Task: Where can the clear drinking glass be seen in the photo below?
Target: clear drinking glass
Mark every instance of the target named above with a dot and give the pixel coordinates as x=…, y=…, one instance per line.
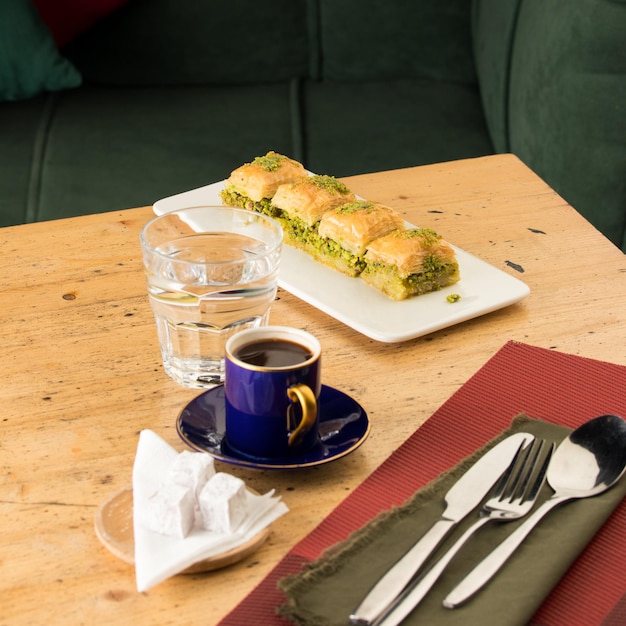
x=212, y=271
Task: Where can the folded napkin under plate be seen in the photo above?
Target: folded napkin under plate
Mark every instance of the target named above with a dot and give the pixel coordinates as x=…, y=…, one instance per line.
x=556, y=387
x=157, y=556
x=329, y=590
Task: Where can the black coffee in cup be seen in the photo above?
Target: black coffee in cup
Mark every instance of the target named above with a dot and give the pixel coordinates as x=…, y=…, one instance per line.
x=273, y=353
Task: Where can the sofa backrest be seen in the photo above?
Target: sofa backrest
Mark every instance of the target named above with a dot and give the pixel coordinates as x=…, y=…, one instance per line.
x=552, y=76
x=493, y=34
x=372, y=40
x=196, y=42
x=164, y=42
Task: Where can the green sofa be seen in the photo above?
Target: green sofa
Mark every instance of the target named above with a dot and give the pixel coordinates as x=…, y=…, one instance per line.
x=162, y=96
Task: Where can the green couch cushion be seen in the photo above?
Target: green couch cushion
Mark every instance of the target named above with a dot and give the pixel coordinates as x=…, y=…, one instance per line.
x=354, y=128
x=493, y=34
x=164, y=42
x=372, y=40
x=567, y=109
x=29, y=60
x=20, y=124
x=148, y=143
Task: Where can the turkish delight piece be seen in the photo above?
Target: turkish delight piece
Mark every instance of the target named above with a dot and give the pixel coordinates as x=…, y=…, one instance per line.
x=192, y=469
x=223, y=503
x=171, y=510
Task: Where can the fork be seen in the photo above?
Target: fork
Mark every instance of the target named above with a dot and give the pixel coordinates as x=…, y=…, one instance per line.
x=513, y=497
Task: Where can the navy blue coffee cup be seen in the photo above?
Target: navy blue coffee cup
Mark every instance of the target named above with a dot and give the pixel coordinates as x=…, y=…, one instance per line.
x=272, y=383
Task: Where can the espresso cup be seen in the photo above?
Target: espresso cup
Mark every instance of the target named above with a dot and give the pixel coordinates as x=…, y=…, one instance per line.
x=272, y=383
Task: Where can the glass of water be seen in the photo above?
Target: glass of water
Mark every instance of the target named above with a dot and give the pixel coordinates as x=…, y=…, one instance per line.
x=212, y=271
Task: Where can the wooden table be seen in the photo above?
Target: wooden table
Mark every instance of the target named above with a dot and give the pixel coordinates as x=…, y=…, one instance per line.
x=82, y=377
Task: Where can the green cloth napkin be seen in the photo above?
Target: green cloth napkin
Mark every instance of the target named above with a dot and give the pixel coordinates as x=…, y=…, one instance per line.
x=331, y=587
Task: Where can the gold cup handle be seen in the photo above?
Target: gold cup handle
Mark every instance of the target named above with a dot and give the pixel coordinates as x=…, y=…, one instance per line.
x=306, y=398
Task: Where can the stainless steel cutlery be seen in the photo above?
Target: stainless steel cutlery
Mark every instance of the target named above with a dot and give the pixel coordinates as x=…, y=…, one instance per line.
x=464, y=496
x=589, y=461
x=514, y=496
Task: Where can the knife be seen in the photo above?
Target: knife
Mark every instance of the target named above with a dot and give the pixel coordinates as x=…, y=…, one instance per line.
x=462, y=498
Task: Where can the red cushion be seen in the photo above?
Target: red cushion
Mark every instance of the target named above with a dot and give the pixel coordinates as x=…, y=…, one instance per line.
x=67, y=19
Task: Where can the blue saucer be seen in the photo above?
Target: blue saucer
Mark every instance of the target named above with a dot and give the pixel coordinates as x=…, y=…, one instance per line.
x=343, y=428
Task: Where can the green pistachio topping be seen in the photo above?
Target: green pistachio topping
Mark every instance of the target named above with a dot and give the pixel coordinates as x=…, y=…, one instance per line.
x=427, y=234
x=329, y=183
x=453, y=297
x=270, y=162
x=354, y=207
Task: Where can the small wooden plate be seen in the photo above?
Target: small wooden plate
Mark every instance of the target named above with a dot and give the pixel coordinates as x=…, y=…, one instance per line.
x=114, y=528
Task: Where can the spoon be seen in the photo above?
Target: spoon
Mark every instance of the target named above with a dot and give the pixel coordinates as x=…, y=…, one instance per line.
x=589, y=461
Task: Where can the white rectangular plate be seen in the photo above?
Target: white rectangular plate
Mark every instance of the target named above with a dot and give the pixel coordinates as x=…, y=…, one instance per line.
x=483, y=288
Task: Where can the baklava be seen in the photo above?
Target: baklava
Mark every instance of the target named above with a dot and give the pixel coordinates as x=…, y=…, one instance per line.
x=302, y=204
x=321, y=216
x=410, y=262
x=253, y=185
x=347, y=230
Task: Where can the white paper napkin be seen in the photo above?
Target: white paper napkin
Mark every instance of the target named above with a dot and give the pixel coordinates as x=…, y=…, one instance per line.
x=157, y=557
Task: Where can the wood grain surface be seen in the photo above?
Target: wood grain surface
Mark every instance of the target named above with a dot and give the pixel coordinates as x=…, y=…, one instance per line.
x=82, y=376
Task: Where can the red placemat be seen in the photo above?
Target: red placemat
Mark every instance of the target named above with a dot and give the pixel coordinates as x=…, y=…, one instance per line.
x=543, y=384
